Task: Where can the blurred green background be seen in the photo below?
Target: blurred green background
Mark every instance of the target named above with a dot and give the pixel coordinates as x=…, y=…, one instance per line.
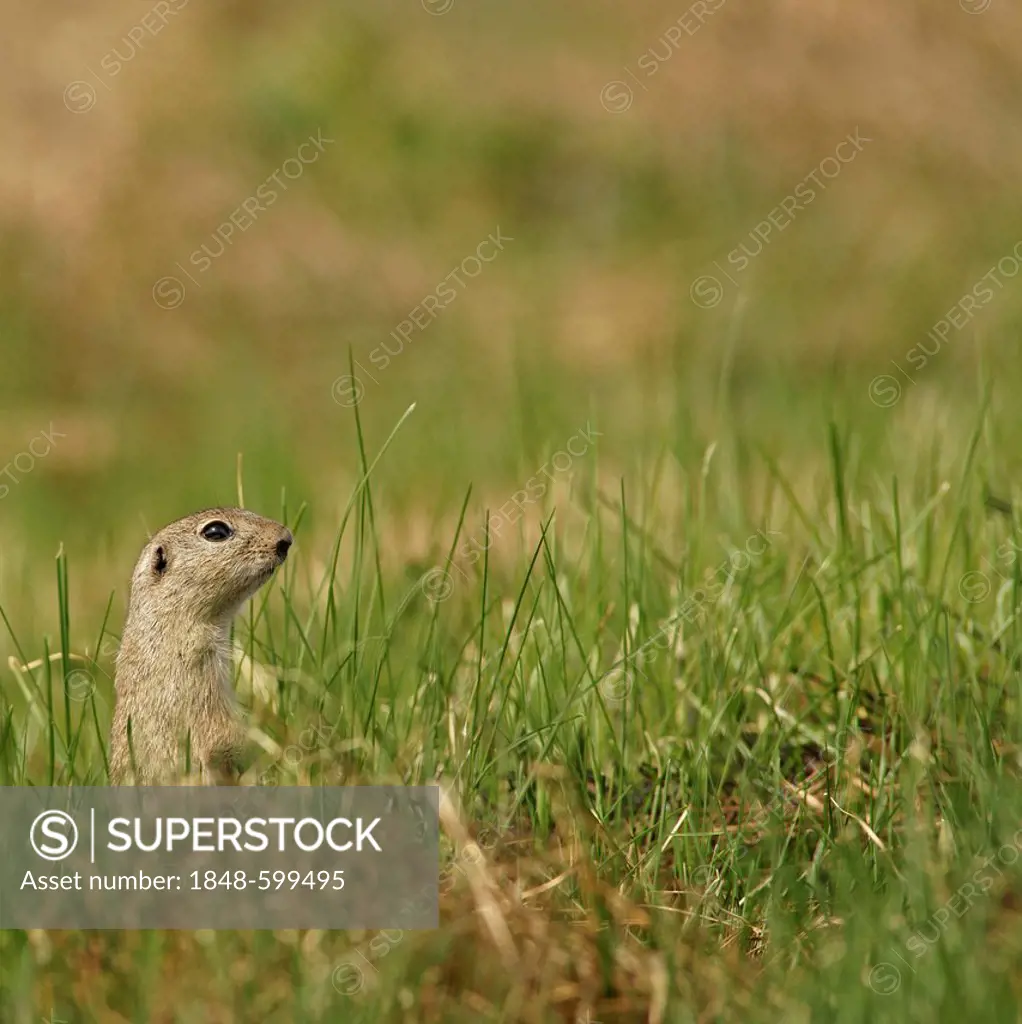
x=452, y=120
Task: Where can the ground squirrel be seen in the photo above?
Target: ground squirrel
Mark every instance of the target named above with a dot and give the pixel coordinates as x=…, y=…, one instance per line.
x=174, y=667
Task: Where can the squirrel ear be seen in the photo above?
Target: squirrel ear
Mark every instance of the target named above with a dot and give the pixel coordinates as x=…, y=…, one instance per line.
x=159, y=563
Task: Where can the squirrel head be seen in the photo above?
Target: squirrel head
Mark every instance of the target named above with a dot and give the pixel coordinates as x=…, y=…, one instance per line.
x=204, y=567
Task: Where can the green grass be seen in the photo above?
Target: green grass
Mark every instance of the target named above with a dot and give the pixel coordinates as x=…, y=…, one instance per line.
x=742, y=757
x=775, y=801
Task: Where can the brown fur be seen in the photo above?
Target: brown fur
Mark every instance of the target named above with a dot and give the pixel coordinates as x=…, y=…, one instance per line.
x=174, y=668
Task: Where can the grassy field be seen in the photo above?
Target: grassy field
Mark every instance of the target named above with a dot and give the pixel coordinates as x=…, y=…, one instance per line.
x=640, y=386
x=760, y=763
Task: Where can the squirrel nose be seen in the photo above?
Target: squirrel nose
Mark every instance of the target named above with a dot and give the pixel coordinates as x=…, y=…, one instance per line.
x=284, y=545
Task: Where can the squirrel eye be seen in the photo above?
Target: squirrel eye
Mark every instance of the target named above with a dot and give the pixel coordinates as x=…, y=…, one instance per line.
x=216, y=530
